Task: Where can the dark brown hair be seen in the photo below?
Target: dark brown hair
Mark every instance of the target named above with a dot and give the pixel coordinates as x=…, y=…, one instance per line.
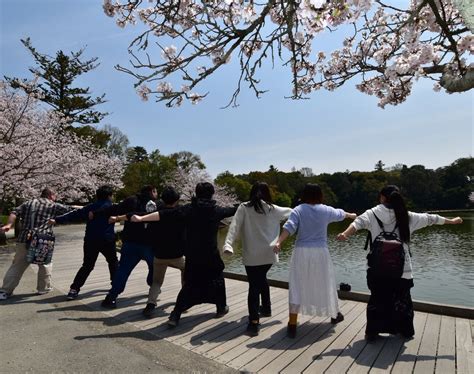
x=312, y=194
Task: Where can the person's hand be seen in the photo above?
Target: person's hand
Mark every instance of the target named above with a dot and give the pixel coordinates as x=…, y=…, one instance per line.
x=91, y=215
x=352, y=215
x=227, y=250
x=277, y=248
x=136, y=218
x=112, y=219
x=7, y=227
x=51, y=222
x=457, y=221
x=228, y=253
x=341, y=237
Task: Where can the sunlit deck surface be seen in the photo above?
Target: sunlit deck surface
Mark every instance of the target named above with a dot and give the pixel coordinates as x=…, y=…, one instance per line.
x=442, y=344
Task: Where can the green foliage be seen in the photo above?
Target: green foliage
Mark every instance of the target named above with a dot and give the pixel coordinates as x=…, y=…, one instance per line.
x=424, y=189
x=99, y=138
x=187, y=160
x=153, y=168
x=238, y=186
x=282, y=199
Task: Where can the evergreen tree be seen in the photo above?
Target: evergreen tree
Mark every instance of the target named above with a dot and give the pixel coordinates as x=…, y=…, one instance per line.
x=55, y=86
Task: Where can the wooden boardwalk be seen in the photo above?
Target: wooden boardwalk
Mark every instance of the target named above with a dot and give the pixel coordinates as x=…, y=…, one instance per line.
x=442, y=344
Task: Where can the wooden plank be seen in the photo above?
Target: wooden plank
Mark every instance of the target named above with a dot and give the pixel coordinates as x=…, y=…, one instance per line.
x=306, y=357
x=281, y=354
x=464, y=347
x=236, y=336
x=446, y=356
x=227, y=329
x=366, y=358
x=260, y=348
x=347, y=357
x=322, y=361
x=425, y=362
x=406, y=359
x=388, y=355
x=239, y=310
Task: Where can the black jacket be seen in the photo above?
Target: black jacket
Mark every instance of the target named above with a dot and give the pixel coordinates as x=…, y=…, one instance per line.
x=167, y=236
x=132, y=231
x=201, y=222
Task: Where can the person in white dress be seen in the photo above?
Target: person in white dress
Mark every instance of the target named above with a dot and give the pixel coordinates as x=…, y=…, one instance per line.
x=257, y=223
x=312, y=283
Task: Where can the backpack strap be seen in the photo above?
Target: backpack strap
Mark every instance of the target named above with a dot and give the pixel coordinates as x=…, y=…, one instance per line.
x=368, y=240
x=378, y=220
x=381, y=223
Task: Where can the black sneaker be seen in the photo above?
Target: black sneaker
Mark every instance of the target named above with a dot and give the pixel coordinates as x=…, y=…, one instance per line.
x=291, y=331
x=264, y=312
x=73, y=294
x=338, y=319
x=253, y=328
x=222, y=312
x=109, y=302
x=149, y=310
x=173, y=320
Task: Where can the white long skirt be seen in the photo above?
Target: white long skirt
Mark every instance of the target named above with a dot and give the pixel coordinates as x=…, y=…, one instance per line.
x=312, y=281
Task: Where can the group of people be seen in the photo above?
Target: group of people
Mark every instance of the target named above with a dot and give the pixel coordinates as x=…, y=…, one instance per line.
x=164, y=233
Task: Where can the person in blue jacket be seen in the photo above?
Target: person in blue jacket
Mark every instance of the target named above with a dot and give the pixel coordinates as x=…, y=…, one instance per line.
x=99, y=238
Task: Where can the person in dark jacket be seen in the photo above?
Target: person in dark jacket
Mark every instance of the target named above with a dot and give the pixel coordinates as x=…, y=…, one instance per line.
x=167, y=241
x=203, y=272
x=99, y=238
x=135, y=240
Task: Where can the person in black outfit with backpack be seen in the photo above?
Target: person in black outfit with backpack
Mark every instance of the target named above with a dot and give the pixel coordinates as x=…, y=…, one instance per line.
x=390, y=308
x=135, y=240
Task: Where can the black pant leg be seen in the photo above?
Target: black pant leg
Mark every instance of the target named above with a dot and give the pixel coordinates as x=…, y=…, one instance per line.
x=265, y=289
x=221, y=297
x=91, y=252
x=253, y=297
x=109, y=251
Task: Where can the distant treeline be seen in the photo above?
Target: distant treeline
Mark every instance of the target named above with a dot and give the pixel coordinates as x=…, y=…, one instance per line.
x=448, y=187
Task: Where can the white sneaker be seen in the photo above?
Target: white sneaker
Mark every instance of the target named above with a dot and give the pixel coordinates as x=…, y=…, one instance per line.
x=3, y=295
x=45, y=291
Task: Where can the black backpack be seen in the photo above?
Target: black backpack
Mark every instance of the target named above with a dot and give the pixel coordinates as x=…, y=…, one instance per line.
x=387, y=255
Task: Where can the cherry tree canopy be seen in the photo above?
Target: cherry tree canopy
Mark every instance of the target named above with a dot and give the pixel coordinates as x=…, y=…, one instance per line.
x=36, y=153
x=185, y=181
x=387, y=47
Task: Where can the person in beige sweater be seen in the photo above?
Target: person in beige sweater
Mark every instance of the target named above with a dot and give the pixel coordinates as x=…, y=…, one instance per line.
x=257, y=223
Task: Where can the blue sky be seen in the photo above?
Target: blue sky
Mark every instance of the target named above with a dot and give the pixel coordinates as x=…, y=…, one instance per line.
x=333, y=131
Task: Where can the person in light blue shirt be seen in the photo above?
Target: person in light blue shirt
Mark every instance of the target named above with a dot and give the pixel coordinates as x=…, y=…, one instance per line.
x=312, y=283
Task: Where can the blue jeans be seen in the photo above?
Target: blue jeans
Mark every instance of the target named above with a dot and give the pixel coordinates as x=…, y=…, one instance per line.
x=130, y=255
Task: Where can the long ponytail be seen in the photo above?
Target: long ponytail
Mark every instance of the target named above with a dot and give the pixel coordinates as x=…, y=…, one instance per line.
x=260, y=191
x=397, y=203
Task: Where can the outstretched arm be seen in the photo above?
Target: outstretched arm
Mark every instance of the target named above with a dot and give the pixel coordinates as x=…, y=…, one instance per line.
x=283, y=236
x=453, y=221
x=155, y=216
x=11, y=222
x=347, y=233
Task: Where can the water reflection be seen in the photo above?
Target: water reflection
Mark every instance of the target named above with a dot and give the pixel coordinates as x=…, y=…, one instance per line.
x=443, y=261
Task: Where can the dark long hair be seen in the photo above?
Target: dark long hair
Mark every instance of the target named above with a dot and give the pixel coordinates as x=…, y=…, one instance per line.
x=312, y=194
x=259, y=192
x=395, y=201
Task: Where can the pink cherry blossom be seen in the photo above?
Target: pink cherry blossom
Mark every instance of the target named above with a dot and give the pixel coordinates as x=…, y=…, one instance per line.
x=37, y=152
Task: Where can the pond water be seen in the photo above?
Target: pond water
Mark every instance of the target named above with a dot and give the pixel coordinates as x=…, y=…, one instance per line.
x=443, y=261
